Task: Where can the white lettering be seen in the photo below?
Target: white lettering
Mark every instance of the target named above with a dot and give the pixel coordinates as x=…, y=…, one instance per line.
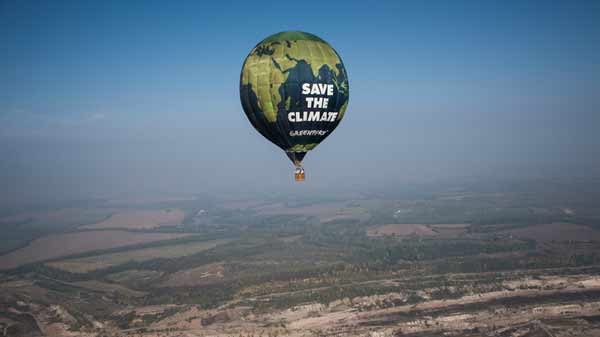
x=313, y=116
x=297, y=133
x=330, y=90
x=309, y=101
x=305, y=88
x=322, y=87
x=318, y=102
x=315, y=89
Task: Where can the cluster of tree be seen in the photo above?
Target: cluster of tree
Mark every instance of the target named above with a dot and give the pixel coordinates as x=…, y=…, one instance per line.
x=391, y=252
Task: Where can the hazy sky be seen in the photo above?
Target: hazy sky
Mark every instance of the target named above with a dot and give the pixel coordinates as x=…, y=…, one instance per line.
x=110, y=97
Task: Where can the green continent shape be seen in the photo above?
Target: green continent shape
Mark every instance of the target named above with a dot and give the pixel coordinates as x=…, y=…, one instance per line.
x=265, y=69
x=302, y=147
x=342, y=110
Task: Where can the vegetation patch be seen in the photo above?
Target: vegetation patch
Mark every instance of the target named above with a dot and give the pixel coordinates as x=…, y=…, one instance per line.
x=140, y=219
x=87, y=264
x=57, y=245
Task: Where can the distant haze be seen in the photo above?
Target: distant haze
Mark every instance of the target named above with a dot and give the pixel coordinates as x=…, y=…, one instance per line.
x=105, y=99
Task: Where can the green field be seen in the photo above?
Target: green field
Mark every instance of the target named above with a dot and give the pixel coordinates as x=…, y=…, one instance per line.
x=86, y=264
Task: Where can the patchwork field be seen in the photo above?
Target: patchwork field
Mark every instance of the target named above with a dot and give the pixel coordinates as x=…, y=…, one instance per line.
x=140, y=219
x=57, y=245
x=86, y=264
x=401, y=230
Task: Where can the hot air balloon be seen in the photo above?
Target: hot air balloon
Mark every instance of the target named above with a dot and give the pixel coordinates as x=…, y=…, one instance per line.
x=294, y=91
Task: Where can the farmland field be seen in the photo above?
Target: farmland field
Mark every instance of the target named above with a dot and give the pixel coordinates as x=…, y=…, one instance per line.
x=20, y=228
x=58, y=245
x=401, y=230
x=61, y=216
x=455, y=226
x=140, y=219
x=135, y=278
x=310, y=210
x=86, y=264
x=557, y=232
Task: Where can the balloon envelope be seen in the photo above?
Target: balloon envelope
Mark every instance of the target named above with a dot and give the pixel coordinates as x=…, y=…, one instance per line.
x=294, y=90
